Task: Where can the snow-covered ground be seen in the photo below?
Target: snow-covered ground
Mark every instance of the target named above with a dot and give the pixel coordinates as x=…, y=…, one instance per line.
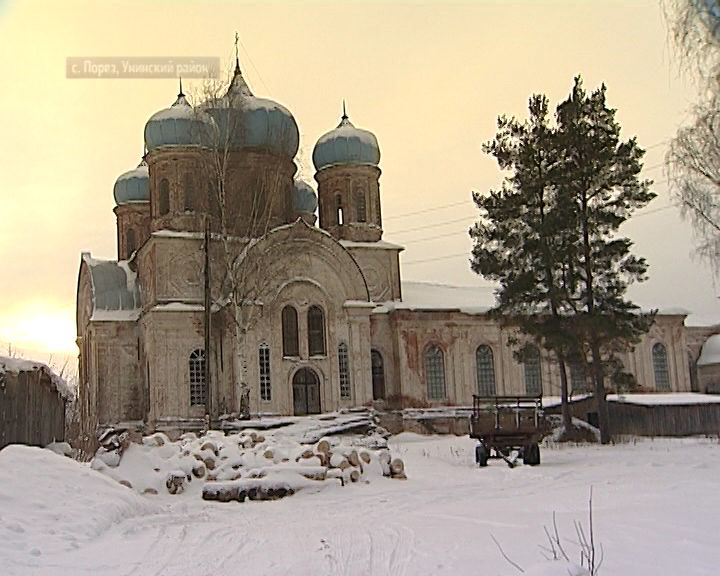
x=656, y=510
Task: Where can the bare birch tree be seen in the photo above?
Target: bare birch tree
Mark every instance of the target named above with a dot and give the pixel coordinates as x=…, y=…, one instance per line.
x=239, y=211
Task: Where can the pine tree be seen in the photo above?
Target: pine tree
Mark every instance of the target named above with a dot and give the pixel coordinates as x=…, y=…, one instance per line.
x=519, y=240
x=600, y=185
x=549, y=236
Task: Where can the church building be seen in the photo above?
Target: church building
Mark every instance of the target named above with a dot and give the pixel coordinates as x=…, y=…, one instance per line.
x=238, y=288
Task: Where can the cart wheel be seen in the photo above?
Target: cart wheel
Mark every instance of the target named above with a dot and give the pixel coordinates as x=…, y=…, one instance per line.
x=531, y=454
x=481, y=455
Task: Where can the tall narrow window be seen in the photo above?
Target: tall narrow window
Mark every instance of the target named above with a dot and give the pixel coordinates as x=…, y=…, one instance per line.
x=578, y=377
x=196, y=366
x=344, y=366
x=189, y=193
x=264, y=371
x=164, y=197
x=130, y=241
x=660, y=367
x=533, y=374
x=378, y=375
x=290, y=331
x=360, y=205
x=316, y=331
x=485, y=365
x=435, y=373
x=339, y=210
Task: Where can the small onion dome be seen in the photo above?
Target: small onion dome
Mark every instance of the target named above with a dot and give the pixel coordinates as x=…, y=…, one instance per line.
x=246, y=121
x=346, y=145
x=133, y=186
x=179, y=125
x=305, y=199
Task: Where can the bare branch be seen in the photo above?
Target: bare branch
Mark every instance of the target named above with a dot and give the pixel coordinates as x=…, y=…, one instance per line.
x=507, y=559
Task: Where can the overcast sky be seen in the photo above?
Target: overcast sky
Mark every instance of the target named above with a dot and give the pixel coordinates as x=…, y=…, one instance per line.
x=428, y=79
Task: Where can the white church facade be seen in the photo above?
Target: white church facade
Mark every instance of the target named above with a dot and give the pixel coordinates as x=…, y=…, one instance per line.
x=305, y=316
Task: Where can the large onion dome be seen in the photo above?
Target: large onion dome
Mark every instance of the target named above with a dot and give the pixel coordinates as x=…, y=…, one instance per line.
x=305, y=199
x=346, y=145
x=133, y=186
x=179, y=125
x=246, y=121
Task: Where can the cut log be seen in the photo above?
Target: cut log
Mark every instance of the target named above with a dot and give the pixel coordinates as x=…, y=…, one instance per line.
x=323, y=446
x=269, y=454
x=397, y=467
x=354, y=458
x=365, y=457
x=355, y=475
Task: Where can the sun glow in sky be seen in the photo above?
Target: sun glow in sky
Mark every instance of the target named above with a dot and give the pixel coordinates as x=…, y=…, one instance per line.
x=428, y=78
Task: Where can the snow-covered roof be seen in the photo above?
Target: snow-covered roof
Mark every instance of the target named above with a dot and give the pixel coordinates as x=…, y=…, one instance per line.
x=440, y=297
x=379, y=245
x=710, y=351
x=114, y=289
x=671, y=398
x=17, y=365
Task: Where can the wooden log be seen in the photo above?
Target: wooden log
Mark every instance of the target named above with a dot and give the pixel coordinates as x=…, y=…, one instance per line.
x=397, y=467
x=354, y=458
x=365, y=457
x=323, y=446
x=355, y=475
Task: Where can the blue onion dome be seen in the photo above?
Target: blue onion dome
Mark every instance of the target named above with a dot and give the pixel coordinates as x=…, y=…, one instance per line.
x=133, y=186
x=246, y=121
x=305, y=199
x=346, y=145
x=179, y=125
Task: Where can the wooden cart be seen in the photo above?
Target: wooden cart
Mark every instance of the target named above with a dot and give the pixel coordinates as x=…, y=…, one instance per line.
x=506, y=424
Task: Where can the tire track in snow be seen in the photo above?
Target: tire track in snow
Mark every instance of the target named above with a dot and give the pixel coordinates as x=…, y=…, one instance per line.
x=381, y=551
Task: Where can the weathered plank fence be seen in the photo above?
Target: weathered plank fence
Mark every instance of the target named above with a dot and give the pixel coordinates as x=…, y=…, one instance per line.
x=32, y=409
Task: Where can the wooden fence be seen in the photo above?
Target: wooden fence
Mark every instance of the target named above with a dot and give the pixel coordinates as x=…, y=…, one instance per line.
x=652, y=419
x=32, y=411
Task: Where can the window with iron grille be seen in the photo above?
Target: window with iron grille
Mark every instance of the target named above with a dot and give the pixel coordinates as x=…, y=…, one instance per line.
x=435, y=373
x=360, y=205
x=660, y=367
x=316, y=331
x=578, y=377
x=533, y=373
x=264, y=365
x=196, y=366
x=344, y=365
x=485, y=366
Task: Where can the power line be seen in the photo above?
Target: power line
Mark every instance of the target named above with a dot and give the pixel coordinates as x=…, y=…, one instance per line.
x=415, y=229
x=247, y=53
x=426, y=210
x=447, y=257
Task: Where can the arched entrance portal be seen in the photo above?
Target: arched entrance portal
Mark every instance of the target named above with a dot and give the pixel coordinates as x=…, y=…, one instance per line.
x=306, y=392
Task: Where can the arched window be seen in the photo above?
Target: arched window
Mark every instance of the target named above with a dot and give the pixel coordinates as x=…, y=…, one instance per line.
x=189, y=193
x=533, y=373
x=290, y=332
x=578, y=377
x=435, y=373
x=660, y=367
x=316, y=331
x=344, y=366
x=339, y=210
x=164, y=197
x=378, y=375
x=360, y=205
x=196, y=365
x=264, y=372
x=485, y=366
x=130, y=241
